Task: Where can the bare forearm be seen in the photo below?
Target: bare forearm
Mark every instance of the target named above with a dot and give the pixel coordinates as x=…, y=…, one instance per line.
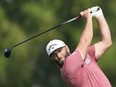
x=85, y=39
x=104, y=30
x=87, y=33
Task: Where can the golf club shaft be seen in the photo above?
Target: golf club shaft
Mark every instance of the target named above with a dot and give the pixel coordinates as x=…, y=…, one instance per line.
x=77, y=17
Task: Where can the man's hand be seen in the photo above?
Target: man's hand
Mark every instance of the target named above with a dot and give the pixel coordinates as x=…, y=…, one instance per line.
x=86, y=14
x=96, y=11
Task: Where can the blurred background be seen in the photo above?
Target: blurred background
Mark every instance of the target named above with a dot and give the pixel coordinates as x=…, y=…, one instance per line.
x=29, y=65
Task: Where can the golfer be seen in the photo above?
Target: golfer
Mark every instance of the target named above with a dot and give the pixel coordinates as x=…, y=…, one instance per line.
x=80, y=68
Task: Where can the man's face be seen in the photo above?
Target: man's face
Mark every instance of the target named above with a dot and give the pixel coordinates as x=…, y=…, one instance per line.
x=60, y=55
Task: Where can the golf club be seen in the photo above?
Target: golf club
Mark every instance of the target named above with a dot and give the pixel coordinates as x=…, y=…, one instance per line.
x=7, y=51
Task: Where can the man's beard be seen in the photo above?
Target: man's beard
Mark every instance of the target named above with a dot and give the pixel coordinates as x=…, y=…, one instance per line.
x=61, y=61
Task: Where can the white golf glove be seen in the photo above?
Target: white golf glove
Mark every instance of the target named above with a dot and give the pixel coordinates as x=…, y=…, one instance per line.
x=96, y=11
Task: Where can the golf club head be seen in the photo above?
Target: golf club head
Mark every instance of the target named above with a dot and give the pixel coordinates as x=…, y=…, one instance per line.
x=7, y=52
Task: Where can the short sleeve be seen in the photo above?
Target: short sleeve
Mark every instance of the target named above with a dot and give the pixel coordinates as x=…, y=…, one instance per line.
x=92, y=52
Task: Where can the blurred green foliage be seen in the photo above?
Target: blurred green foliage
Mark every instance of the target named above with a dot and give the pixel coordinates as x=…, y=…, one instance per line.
x=29, y=65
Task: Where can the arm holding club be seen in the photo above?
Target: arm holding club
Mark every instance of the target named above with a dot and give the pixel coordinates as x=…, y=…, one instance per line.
x=105, y=42
x=87, y=34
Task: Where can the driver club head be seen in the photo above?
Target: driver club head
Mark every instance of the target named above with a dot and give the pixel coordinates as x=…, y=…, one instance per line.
x=7, y=52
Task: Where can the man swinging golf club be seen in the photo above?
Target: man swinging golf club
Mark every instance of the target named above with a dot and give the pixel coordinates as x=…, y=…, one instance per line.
x=80, y=68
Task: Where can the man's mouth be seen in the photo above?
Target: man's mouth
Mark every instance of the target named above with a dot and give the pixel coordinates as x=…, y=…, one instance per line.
x=62, y=61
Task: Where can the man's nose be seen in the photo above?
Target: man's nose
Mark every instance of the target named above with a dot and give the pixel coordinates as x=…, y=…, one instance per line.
x=59, y=55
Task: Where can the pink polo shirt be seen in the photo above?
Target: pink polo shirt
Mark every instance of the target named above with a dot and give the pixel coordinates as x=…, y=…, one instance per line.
x=83, y=73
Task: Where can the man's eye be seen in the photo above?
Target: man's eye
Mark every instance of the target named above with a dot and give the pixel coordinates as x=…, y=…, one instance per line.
x=60, y=49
